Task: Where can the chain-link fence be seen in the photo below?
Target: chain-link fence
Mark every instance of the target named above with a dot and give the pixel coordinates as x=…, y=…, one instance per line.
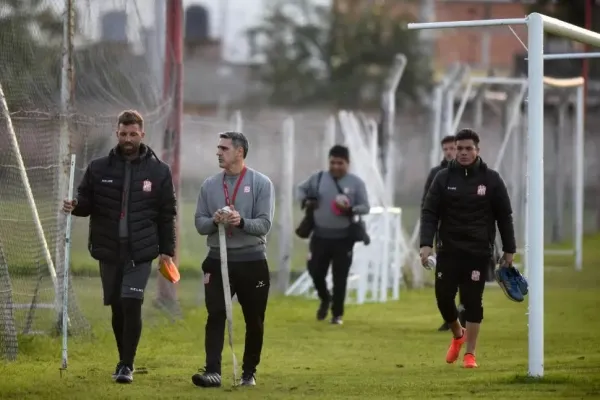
x=63, y=86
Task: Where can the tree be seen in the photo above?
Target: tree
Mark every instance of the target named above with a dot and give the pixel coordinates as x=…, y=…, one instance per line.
x=315, y=54
x=30, y=35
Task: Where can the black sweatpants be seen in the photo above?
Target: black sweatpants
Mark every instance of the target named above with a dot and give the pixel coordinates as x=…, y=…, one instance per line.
x=250, y=280
x=124, y=284
x=338, y=253
x=466, y=271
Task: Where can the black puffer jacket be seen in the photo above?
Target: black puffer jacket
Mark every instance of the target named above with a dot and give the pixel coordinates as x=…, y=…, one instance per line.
x=432, y=173
x=463, y=205
x=151, y=212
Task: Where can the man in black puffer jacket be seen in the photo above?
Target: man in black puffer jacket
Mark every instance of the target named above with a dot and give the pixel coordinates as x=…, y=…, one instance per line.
x=130, y=199
x=448, y=144
x=463, y=206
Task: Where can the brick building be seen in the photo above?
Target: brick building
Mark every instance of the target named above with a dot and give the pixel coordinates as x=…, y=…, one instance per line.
x=483, y=49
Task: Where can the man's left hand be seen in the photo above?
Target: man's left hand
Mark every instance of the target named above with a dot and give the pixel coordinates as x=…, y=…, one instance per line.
x=163, y=258
x=233, y=218
x=507, y=259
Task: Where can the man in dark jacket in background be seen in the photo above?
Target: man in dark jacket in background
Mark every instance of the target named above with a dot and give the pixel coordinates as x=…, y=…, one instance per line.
x=130, y=199
x=463, y=206
x=448, y=144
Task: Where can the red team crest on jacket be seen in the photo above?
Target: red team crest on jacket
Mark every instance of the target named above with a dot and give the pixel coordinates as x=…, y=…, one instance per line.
x=147, y=186
x=481, y=190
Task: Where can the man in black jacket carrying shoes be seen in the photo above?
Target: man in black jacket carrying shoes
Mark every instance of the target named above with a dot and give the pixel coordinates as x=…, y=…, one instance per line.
x=448, y=144
x=463, y=206
x=130, y=199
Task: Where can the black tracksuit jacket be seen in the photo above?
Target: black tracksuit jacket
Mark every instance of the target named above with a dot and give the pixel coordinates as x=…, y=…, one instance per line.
x=432, y=173
x=151, y=209
x=463, y=206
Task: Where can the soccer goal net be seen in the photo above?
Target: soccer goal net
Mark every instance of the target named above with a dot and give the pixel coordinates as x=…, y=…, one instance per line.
x=62, y=88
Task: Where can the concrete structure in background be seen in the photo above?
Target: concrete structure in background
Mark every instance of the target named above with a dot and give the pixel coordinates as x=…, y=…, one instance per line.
x=114, y=27
x=212, y=85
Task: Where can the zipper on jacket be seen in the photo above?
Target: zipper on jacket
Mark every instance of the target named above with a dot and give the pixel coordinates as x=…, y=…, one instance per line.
x=129, y=244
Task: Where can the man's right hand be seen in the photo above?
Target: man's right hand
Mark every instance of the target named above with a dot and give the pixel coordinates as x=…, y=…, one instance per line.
x=424, y=253
x=219, y=217
x=69, y=205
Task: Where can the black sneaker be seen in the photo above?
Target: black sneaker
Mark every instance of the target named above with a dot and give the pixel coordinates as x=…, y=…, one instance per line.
x=117, y=369
x=337, y=321
x=125, y=375
x=248, y=379
x=322, y=311
x=206, y=379
x=444, y=327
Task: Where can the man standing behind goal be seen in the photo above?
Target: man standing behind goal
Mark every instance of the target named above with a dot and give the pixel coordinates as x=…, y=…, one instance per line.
x=130, y=199
x=335, y=196
x=448, y=144
x=250, y=195
x=463, y=205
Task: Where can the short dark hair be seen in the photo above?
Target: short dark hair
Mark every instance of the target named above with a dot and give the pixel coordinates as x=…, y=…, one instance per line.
x=340, y=151
x=237, y=140
x=467, y=134
x=448, y=139
x=130, y=117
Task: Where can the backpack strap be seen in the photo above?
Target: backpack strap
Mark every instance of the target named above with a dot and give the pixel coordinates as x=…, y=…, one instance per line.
x=337, y=185
x=316, y=190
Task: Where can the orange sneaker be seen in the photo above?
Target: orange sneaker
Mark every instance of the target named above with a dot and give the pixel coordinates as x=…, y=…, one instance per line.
x=469, y=361
x=455, y=346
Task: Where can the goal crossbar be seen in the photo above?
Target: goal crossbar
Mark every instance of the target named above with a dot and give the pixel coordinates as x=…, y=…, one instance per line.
x=570, y=56
x=537, y=24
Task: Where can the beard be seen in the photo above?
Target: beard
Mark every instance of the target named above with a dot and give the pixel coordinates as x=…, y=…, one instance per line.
x=128, y=149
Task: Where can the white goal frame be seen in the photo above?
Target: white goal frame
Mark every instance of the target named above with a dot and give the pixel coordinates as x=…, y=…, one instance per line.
x=536, y=24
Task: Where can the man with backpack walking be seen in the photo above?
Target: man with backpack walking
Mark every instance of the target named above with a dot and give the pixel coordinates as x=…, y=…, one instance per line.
x=336, y=197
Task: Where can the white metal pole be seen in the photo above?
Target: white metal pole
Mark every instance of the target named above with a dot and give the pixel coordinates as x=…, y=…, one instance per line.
x=286, y=208
x=389, y=102
x=438, y=104
x=468, y=24
x=534, y=254
x=448, y=113
x=570, y=56
x=157, y=46
x=227, y=292
x=329, y=139
x=512, y=122
x=66, y=269
x=579, y=175
x=461, y=108
x=66, y=76
x=39, y=230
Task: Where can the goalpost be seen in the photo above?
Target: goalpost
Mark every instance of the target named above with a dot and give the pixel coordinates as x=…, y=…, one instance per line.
x=537, y=24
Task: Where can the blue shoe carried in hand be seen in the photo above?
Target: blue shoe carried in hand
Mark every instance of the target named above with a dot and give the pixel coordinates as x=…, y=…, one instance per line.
x=523, y=284
x=511, y=281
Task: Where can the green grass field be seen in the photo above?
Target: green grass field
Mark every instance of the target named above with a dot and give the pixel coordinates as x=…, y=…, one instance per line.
x=384, y=351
